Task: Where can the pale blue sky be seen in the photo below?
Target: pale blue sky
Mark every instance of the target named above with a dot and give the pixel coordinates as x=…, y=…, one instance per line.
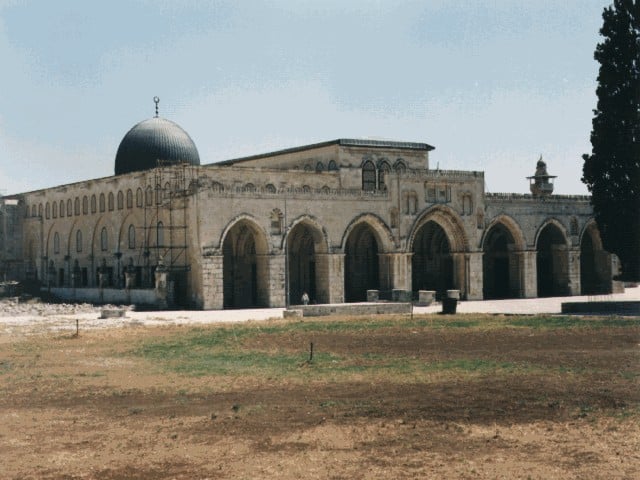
x=491, y=84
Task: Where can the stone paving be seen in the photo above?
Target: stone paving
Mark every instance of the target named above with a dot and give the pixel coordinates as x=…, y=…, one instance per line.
x=39, y=317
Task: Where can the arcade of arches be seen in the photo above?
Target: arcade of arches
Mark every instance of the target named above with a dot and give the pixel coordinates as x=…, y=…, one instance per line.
x=433, y=266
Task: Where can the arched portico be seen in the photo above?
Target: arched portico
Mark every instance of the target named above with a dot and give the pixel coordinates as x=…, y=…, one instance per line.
x=552, y=260
x=502, y=265
x=441, y=258
x=595, y=262
x=244, y=266
x=305, y=244
x=362, y=267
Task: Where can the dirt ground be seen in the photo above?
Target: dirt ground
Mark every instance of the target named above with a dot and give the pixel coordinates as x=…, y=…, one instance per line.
x=86, y=408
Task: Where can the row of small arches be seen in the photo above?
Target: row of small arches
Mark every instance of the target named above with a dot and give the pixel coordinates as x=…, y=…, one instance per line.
x=269, y=188
x=332, y=166
x=374, y=176
x=104, y=239
x=99, y=203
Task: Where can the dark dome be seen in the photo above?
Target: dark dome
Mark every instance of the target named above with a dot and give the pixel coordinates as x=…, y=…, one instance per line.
x=152, y=140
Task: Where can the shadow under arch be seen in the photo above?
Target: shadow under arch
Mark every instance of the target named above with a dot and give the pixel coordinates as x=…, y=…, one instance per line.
x=502, y=266
x=306, y=249
x=436, y=237
x=245, y=269
x=595, y=262
x=552, y=259
x=365, y=238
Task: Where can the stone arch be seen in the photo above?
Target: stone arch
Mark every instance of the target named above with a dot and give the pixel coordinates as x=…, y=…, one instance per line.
x=384, y=236
x=437, y=241
x=552, y=259
x=245, y=269
x=502, y=267
x=364, y=240
x=71, y=236
x=512, y=226
x=595, y=262
x=306, y=241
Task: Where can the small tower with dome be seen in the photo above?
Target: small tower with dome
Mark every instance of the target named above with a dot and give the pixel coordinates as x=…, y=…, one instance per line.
x=541, y=183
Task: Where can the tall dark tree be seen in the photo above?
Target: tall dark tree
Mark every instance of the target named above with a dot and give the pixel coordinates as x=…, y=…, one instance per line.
x=612, y=171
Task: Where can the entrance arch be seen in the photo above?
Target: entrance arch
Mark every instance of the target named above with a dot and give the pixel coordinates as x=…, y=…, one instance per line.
x=362, y=270
x=552, y=261
x=432, y=262
x=244, y=269
x=304, y=242
x=593, y=262
x=501, y=266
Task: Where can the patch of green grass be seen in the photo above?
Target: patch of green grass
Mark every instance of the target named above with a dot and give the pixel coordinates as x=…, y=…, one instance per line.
x=559, y=321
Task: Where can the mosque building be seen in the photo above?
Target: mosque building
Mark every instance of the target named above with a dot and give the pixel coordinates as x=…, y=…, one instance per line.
x=336, y=220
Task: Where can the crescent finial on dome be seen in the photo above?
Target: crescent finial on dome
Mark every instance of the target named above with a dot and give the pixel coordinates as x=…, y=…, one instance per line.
x=157, y=101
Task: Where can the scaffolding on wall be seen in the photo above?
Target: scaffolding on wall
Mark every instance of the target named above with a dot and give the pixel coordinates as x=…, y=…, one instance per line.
x=165, y=227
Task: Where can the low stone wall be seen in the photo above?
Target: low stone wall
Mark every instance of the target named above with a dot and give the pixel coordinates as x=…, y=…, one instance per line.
x=107, y=295
x=354, y=309
x=602, y=308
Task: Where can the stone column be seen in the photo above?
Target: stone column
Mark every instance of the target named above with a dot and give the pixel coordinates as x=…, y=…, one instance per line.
x=395, y=271
x=460, y=273
x=574, y=271
x=276, y=272
x=560, y=255
x=161, y=275
x=330, y=277
x=528, y=274
x=474, y=276
x=212, y=286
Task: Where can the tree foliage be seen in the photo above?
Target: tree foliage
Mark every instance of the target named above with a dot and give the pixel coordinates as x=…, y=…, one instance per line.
x=612, y=171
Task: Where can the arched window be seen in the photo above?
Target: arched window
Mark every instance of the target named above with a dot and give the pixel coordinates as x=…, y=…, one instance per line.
x=158, y=194
x=54, y=209
x=104, y=240
x=120, y=200
x=148, y=196
x=61, y=208
x=467, y=204
x=167, y=190
x=306, y=189
x=132, y=236
x=47, y=211
x=160, y=234
x=56, y=243
x=139, y=198
x=368, y=177
x=382, y=175
x=270, y=188
x=93, y=204
x=85, y=205
x=400, y=166
x=40, y=210
x=33, y=210
x=574, y=226
x=76, y=206
x=78, y=241
x=102, y=207
x=276, y=222
x=110, y=201
x=249, y=187
x=333, y=166
x=69, y=208
x=217, y=187
x=129, y=199
x=319, y=167
x=393, y=213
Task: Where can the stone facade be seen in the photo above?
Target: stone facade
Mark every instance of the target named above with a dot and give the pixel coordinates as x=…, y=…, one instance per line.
x=333, y=220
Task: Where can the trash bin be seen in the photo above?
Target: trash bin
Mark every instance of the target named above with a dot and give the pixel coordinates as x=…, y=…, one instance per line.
x=449, y=305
